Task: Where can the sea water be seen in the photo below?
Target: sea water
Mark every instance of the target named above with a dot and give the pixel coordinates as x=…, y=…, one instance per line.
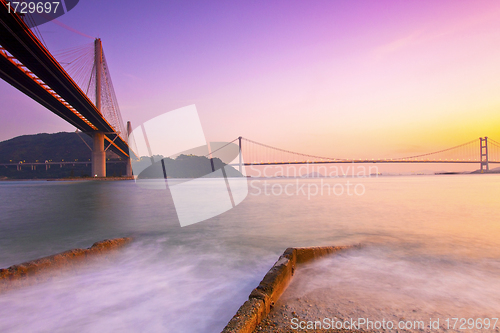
x=430, y=247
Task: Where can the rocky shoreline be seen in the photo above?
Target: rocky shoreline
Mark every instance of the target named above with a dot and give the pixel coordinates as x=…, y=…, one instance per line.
x=42, y=269
x=253, y=315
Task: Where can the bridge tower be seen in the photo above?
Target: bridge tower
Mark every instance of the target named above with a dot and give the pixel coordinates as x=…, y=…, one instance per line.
x=98, y=152
x=240, y=164
x=129, y=162
x=484, y=154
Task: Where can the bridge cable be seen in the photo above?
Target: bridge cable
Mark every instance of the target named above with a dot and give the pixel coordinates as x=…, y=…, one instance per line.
x=291, y=152
x=436, y=152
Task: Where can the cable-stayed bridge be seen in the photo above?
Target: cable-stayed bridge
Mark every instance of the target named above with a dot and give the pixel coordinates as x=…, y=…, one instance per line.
x=26, y=64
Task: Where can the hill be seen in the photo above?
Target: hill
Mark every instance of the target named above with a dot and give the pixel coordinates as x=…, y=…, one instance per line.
x=42, y=147
x=186, y=166
x=70, y=147
x=55, y=147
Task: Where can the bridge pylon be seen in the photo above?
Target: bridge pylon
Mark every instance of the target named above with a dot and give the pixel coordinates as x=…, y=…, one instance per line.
x=129, y=162
x=98, y=152
x=240, y=164
x=484, y=154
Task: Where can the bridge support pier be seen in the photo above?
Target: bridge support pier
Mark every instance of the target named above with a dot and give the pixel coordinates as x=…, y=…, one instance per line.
x=98, y=156
x=128, y=171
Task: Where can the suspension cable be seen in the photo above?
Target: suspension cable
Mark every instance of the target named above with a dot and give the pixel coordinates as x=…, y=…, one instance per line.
x=294, y=153
x=436, y=152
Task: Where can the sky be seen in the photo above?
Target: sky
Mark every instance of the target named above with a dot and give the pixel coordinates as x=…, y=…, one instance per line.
x=350, y=79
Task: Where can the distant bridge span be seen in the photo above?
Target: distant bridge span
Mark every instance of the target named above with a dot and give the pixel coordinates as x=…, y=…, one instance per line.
x=484, y=151
x=357, y=161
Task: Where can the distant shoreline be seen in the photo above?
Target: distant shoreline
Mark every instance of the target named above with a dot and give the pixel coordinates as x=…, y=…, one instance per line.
x=248, y=177
x=69, y=179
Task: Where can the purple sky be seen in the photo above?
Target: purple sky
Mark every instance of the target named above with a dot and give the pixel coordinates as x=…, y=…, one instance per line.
x=356, y=79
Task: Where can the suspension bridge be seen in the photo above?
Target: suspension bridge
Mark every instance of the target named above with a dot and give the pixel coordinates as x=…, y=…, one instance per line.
x=78, y=88
x=483, y=151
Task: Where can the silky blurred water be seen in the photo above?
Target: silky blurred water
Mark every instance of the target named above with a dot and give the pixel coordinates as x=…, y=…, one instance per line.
x=193, y=279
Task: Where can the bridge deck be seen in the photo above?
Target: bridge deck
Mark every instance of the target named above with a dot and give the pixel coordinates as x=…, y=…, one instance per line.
x=358, y=161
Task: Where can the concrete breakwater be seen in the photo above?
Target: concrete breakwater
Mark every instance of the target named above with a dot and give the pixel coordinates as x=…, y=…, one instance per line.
x=44, y=268
x=274, y=283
